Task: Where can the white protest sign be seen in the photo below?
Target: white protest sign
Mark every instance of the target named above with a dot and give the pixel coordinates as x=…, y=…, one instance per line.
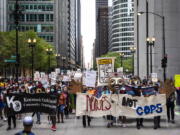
x=121, y=105
x=36, y=76
x=57, y=70
x=105, y=67
x=90, y=78
x=66, y=78
x=154, y=77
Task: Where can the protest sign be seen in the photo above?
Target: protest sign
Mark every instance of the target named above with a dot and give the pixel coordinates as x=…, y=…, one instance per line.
x=121, y=105
x=105, y=67
x=177, y=80
x=90, y=78
x=66, y=78
x=154, y=77
x=25, y=103
x=36, y=76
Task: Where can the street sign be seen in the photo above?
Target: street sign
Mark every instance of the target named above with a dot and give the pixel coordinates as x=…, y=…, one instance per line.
x=177, y=80
x=10, y=61
x=13, y=57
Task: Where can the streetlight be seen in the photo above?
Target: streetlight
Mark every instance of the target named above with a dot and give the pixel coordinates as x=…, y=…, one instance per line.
x=57, y=57
x=49, y=52
x=133, y=50
x=150, y=42
x=121, y=56
x=32, y=43
x=164, y=56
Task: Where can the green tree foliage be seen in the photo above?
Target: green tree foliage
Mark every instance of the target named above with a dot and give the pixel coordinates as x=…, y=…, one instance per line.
x=8, y=49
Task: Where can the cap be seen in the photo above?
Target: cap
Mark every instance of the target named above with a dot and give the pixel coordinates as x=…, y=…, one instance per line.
x=28, y=121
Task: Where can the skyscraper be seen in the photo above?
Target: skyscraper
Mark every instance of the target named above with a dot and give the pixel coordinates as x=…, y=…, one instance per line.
x=101, y=45
x=121, y=36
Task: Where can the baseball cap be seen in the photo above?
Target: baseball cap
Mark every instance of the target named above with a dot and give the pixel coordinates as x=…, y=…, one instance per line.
x=28, y=121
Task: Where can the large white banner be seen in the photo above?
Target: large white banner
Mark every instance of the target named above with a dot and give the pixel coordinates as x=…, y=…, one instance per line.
x=105, y=67
x=121, y=105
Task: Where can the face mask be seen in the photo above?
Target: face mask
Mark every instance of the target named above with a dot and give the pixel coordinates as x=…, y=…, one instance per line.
x=52, y=90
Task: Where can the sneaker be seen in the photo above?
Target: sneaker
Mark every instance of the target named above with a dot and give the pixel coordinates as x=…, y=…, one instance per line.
x=53, y=128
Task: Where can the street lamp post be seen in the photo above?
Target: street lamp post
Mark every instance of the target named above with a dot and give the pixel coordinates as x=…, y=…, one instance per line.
x=57, y=58
x=49, y=52
x=121, y=56
x=133, y=50
x=32, y=45
x=16, y=18
x=164, y=56
x=150, y=42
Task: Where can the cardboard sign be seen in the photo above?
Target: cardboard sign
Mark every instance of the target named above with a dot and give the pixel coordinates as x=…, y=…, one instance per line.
x=105, y=67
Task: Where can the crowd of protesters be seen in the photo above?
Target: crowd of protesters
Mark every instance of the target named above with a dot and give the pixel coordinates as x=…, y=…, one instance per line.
x=135, y=87
x=59, y=88
x=64, y=107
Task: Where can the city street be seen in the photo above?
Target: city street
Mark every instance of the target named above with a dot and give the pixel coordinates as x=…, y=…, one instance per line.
x=73, y=126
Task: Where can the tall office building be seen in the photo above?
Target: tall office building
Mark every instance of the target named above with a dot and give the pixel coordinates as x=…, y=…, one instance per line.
x=121, y=36
x=3, y=15
x=36, y=15
x=101, y=45
x=169, y=9
x=56, y=21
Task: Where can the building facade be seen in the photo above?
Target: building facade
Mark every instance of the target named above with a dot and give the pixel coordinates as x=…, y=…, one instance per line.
x=3, y=15
x=101, y=44
x=37, y=15
x=169, y=9
x=56, y=21
x=121, y=36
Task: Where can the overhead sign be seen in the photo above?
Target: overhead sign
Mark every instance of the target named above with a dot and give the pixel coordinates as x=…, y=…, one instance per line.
x=105, y=67
x=177, y=80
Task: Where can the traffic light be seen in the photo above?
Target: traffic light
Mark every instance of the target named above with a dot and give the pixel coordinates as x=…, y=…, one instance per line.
x=164, y=62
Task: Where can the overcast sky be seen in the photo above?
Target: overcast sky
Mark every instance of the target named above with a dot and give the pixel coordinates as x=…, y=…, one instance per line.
x=88, y=28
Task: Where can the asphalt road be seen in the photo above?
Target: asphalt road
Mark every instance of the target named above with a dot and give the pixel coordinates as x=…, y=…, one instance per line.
x=73, y=126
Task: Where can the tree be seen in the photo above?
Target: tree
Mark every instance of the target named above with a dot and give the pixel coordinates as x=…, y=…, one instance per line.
x=7, y=49
x=127, y=62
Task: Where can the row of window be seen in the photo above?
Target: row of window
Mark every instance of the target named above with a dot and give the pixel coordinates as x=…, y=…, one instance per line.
x=123, y=15
x=121, y=11
x=36, y=28
x=123, y=44
x=119, y=6
x=122, y=30
x=122, y=25
x=33, y=7
x=33, y=17
x=123, y=20
x=123, y=35
x=124, y=39
x=48, y=38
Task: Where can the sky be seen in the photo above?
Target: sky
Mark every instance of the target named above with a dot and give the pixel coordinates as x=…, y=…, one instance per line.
x=88, y=28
